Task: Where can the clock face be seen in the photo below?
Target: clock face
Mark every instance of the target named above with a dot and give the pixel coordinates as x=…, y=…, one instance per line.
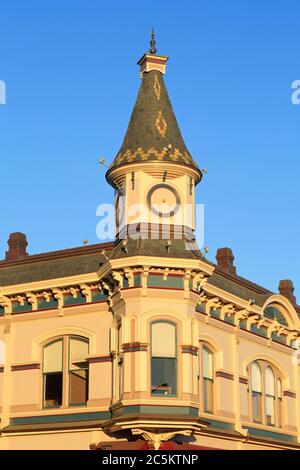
x=120, y=208
x=163, y=200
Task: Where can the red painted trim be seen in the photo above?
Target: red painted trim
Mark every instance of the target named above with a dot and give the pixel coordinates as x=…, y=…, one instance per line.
x=243, y=380
x=97, y=359
x=224, y=375
x=189, y=349
x=16, y=367
x=134, y=347
x=288, y=393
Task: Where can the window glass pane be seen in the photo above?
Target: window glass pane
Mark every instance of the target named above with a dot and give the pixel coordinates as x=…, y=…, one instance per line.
x=78, y=387
x=270, y=414
x=208, y=395
x=255, y=377
x=53, y=389
x=207, y=363
x=79, y=350
x=279, y=412
x=53, y=356
x=163, y=340
x=279, y=388
x=256, y=407
x=163, y=376
x=270, y=382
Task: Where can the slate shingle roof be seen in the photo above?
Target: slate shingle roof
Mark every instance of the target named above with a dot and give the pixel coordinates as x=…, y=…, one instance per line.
x=153, y=133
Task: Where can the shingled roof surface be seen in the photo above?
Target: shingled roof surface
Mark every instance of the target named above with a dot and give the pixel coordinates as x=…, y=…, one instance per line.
x=88, y=259
x=53, y=265
x=160, y=248
x=153, y=132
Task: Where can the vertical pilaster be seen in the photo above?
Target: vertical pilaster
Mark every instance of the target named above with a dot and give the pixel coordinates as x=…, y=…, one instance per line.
x=6, y=398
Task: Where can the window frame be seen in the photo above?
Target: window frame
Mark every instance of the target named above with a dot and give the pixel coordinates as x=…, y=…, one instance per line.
x=208, y=348
x=277, y=400
x=66, y=389
x=172, y=395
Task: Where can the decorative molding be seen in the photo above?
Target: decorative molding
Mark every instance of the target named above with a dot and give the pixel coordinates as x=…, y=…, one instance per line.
x=243, y=380
x=289, y=393
x=189, y=349
x=224, y=375
x=104, y=358
x=26, y=366
x=134, y=347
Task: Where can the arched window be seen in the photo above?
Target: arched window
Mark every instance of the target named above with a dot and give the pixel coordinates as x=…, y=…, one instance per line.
x=279, y=406
x=256, y=393
x=53, y=373
x=207, y=375
x=163, y=359
x=270, y=396
x=65, y=372
x=266, y=397
x=274, y=313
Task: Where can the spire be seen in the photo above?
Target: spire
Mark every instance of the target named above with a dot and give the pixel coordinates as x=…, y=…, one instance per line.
x=152, y=43
x=153, y=134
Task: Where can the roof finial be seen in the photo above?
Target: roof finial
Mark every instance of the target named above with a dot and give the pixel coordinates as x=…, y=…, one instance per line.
x=152, y=43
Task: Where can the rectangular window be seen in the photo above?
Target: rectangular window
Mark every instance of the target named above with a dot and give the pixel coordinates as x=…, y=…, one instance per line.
x=53, y=389
x=256, y=407
x=208, y=395
x=207, y=380
x=53, y=374
x=163, y=359
x=78, y=371
x=163, y=376
x=270, y=412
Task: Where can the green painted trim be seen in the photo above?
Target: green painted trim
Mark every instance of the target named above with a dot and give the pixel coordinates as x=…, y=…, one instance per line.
x=215, y=313
x=61, y=418
x=219, y=424
x=174, y=282
x=137, y=280
x=258, y=331
x=229, y=320
x=18, y=308
x=159, y=410
x=271, y=434
x=70, y=300
x=273, y=313
x=98, y=296
x=279, y=339
x=43, y=305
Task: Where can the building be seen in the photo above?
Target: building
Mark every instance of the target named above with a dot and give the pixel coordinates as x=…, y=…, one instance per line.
x=142, y=342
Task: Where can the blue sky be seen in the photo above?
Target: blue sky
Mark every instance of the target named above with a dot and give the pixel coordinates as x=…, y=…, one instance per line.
x=71, y=76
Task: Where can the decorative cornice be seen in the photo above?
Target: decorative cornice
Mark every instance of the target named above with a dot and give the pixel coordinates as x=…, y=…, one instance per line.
x=189, y=349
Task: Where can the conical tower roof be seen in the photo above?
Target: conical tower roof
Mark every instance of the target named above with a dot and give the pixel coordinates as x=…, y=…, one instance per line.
x=153, y=133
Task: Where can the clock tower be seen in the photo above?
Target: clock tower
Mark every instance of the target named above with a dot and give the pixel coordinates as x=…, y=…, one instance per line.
x=154, y=174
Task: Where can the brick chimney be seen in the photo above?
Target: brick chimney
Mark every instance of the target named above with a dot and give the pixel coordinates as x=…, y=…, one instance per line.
x=286, y=288
x=17, y=244
x=225, y=260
